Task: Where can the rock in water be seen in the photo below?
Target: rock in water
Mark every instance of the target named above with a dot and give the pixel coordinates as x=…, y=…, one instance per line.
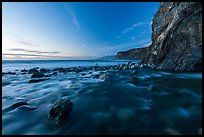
x=59, y=111
x=33, y=70
x=36, y=80
x=14, y=106
x=24, y=70
x=171, y=131
x=44, y=70
x=104, y=76
x=37, y=75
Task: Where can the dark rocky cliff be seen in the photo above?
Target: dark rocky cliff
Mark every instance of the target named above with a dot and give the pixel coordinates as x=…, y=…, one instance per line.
x=132, y=54
x=177, y=37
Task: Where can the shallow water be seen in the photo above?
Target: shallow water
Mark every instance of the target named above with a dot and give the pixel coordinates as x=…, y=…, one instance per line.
x=155, y=103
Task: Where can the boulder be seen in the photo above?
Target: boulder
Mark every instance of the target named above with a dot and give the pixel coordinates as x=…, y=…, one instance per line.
x=36, y=80
x=38, y=75
x=134, y=72
x=60, y=111
x=11, y=73
x=24, y=70
x=44, y=70
x=59, y=69
x=33, y=70
x=54, y=73
x=96, y=76
x=104, y=76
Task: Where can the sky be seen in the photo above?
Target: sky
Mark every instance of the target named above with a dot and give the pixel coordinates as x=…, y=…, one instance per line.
x=74, y=30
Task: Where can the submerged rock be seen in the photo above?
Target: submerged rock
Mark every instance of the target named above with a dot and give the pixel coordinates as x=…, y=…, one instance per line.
x=36, y=80
x=125, y=114
x=23, y=73
x=200, y=131
x=38, y=75
x=10, y=73
x=59, y=111
x=131, y=77
x=54, y=73
x=104, y=76
x=14, y=106
x=96, y=76
x=27, y=108
x=134, y=72
x=59, y=69
x=171, y=131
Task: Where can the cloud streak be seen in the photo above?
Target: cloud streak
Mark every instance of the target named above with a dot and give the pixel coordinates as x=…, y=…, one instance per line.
x=72, y=14
x=128, y=29
x=33, y=51
x=26, y=43
x=37, y=56
x=33, y=55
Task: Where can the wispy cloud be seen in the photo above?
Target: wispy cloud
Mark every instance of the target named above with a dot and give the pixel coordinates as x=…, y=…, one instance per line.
x=72, y=13
x=131, y=28
x=128, y=29
x=33, y=55
x=137, y=44
x=37, y=56
x=26, y=43
x=33, y=51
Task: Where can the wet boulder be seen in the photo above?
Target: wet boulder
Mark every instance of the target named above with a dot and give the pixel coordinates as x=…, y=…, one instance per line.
x=10, y=73
x=135, y=66
x=104, y=76
x=133, y=78
x=59, y=70
x=54, y=73
x=60, y=111
x=27, y=108
x=43, y=70
x=134, y=72
x=96, y=76
x=24, y=70
x=38, y=75
x=14, y=106
x=33, y=70
x=36, y=80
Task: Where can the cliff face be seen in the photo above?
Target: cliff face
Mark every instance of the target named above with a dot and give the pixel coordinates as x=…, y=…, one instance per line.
x=132, y=54
x=176, y=37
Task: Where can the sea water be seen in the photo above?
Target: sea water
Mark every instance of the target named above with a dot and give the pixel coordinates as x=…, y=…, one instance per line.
x=156, y=102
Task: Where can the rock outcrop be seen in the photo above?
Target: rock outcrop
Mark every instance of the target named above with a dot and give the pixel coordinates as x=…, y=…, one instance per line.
x=59, y=111
x=132, y=54
x=177, y=37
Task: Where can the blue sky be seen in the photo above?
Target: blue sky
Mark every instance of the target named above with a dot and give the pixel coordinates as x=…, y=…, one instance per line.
x=74, y=30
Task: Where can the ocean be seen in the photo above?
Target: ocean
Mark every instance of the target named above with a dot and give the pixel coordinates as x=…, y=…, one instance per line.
x=154, y=103
x=10, y=65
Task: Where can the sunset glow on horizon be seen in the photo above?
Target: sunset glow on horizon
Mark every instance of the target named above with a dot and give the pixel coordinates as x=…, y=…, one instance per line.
x=74, y=30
